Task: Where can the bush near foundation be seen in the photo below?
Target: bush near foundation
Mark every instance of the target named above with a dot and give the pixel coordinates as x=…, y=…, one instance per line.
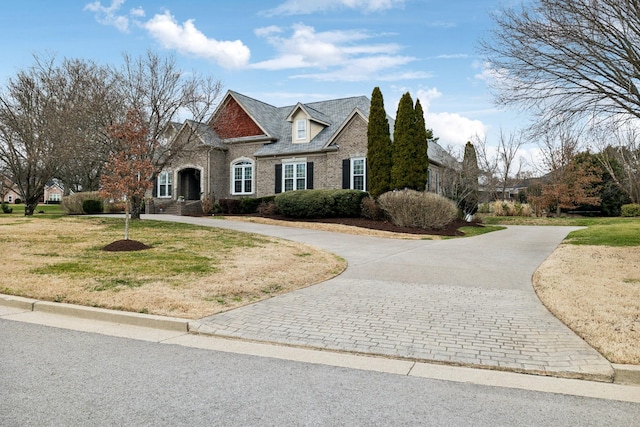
x=320, y=203
x=91, y=206
x=73, y=204
x=410, y=208
x=630, y=210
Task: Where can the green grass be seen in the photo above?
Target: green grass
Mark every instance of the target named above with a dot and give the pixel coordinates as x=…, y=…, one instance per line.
x=599, y=231
x=477, y=231
x=42, y=210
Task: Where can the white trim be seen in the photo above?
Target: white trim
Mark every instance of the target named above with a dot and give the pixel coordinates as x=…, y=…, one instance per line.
x=304, y=131
x=247, y=163
x=168, y=185
x=352, y=175
x=295, y=177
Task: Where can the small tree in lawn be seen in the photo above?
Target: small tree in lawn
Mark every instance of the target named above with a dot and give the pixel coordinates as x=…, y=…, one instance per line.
x=127, y=174
x=379, y=149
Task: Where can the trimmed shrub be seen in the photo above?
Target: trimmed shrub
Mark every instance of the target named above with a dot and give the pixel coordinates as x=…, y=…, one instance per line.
x=230, y=206
x=630, y=210
x=347, y=203
x=305, y=203
x=6, y=208
x=91, y=206
x=72, y=204
x=268, y=208
x=410, y=208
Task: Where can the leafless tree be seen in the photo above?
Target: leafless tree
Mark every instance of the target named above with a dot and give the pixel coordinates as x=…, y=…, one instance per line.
x=509, y=170
x=52, y=116
x=619, y=154
x=165, y=94
x=568, y=60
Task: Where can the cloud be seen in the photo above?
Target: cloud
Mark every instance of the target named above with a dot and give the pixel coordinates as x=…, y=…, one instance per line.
x=306, y=7
x=335, y=55
x=107, y=15
x=186, y=38
x=451, y=128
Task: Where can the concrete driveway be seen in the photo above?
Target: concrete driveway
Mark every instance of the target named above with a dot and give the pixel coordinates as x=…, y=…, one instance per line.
x=461, y=301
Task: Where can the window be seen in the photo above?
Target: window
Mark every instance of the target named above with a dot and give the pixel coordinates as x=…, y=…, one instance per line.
x=165, y=184
x=54, y=197
x=10, y=198
x=294, y=176
x=242, y=179
x=301, y=129
x=358, y=174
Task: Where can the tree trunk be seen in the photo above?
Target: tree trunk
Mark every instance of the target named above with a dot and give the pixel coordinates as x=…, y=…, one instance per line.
x=127, y=212
x=136, y=207
x=30, y=206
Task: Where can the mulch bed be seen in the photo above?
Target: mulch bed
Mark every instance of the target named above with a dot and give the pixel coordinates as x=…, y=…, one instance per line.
x=452, y=229
x=125, y=246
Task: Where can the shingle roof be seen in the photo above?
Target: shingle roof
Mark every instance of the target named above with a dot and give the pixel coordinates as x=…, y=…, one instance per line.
x=333, y=113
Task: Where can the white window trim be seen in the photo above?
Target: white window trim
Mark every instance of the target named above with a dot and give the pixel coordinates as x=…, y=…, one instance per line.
x=295, y=177
x=352, y=175
x=169, y=175
x=235, y=163
x=298, y=130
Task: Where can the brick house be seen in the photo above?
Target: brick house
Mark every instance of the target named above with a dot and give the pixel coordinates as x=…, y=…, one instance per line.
x=252, y=149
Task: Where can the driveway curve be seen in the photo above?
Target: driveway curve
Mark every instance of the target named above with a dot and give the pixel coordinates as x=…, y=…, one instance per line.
x=460, y=301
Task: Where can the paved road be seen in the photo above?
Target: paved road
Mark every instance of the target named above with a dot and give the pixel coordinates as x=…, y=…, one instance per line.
x=461, y=301
x=56, y=377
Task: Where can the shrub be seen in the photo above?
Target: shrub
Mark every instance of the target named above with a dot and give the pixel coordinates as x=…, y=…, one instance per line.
x=305, y=203
x=208, y=205
x=72, y=204
x=347, y=203
x=371, y=210
x=505, y=208
x=18, y=201
x=230, y=206
x=410, y=208
x=92, y=206
x=268, y=208
x=632, y=209
x=6, y=208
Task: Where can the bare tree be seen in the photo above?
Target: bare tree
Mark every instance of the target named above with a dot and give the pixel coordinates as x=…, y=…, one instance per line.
x=31, y=129
x=164, y=94
x=620, y=156
x=568, y=60
x=508, y=147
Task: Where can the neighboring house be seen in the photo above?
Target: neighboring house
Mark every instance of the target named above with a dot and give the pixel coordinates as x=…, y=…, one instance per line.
x=8, y=192
x=252, y=149
x=53, y=191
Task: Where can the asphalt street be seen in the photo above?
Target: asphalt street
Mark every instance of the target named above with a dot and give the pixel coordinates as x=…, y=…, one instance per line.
x=58, y=377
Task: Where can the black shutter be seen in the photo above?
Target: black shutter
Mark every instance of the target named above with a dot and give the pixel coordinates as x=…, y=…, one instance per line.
x=309, y=175
x=346, y=174
x=278, y=179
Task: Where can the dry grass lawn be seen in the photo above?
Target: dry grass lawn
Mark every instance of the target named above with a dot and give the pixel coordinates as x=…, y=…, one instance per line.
x=595, y=290
x=191, y=273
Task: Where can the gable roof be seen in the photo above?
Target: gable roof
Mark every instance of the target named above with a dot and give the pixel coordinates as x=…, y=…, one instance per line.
x=333, y=114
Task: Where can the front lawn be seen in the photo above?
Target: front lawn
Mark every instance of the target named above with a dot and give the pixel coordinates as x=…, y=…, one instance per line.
x=189, y=272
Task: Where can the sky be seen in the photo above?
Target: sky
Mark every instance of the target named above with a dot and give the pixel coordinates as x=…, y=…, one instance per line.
x=287, y=51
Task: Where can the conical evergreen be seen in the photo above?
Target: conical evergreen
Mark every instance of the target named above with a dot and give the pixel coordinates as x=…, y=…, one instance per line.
x=403, y=173
x=470, y=172
x=422, y=149
x=379, y=150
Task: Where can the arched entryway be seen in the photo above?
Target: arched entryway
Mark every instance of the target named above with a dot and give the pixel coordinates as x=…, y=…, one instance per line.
x=189, y=184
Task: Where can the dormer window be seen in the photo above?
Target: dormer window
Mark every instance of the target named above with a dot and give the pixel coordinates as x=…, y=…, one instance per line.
x=301, y=130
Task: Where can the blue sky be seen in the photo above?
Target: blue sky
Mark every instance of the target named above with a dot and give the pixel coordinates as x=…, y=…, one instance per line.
x=286, y=51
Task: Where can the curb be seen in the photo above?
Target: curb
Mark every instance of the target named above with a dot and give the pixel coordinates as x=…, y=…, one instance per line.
x=623, y=374
x=94, y=313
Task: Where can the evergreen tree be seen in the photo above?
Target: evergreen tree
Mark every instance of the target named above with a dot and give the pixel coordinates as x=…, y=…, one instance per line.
x=422, y=148
x=379, y=151
x=403, y=170
x=469, y=181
